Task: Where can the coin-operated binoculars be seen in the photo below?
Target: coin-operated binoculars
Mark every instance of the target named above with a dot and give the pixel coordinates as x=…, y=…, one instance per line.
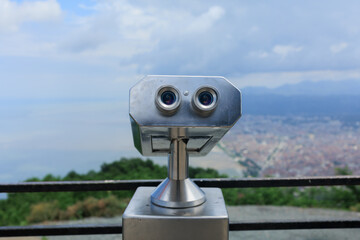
x=178, y=116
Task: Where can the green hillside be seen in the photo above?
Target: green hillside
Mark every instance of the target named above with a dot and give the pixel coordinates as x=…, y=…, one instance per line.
x=28, y=208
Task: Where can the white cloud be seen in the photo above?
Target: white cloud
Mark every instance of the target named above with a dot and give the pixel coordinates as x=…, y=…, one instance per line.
x=178, y=38
x=122, y=29
x=115, y=29
x=336, y=48
x=284, y=50
x=13, y=14
x=205, y=21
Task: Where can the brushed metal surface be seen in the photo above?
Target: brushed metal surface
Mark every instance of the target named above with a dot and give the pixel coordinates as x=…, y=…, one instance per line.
x=143, y=220
x=178, y=194
x=149, y=123
x=177, y=190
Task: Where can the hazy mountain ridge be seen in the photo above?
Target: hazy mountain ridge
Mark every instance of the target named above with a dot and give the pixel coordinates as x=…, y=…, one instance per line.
x=320, y=88
x=306, y=98
x=272, y=104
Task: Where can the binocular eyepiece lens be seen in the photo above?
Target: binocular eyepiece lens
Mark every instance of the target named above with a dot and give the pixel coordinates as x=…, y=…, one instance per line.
x=206, y=98
x=168, y=100
x=168, y=97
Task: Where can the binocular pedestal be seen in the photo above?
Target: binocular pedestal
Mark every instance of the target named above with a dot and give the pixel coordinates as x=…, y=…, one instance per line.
x=143, y=220
x=177, y=116
x=177, y=208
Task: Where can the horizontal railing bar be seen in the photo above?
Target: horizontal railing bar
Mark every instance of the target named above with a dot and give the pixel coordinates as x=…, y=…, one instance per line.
x=293, y=225
x=57, y=230
x=75, y=186
x=106, y=185
x=279, y=182
x=92, y=229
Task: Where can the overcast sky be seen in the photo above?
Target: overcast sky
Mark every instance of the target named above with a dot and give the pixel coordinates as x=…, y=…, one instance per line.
x=91, y=48
x=66, y=66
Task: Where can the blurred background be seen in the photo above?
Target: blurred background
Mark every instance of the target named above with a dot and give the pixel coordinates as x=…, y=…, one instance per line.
x=66, y=68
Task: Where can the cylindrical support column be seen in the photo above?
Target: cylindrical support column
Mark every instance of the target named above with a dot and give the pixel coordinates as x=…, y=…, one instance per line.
x=178, y=160
x=177, y=190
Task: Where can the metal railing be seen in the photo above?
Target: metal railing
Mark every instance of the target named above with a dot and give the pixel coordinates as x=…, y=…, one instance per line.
x=115, y=185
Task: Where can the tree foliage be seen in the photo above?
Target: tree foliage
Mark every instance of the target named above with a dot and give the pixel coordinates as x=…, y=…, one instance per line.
x=25, y=208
